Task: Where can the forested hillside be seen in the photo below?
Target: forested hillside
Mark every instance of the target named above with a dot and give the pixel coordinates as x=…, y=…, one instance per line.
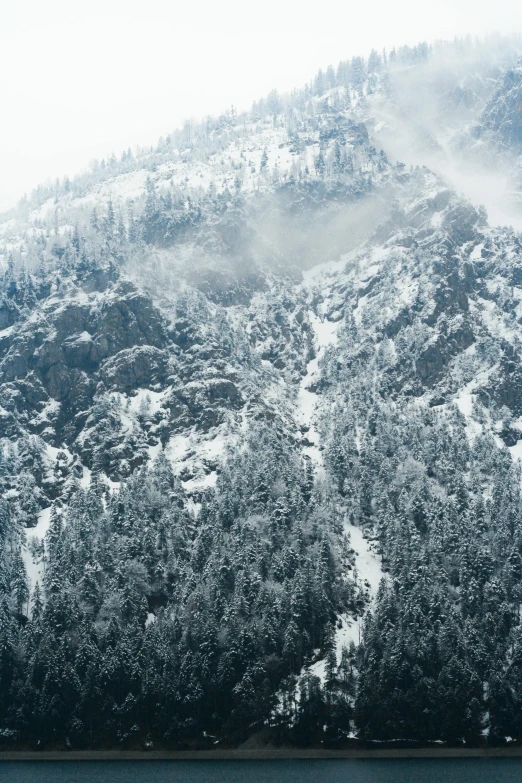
x=261, y=424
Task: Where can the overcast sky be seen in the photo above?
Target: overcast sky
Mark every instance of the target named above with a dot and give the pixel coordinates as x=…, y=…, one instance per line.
x=82, y=78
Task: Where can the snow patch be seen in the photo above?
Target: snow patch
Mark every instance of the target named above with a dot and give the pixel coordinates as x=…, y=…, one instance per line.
x=476, y=253
x=85, y=480
x=516, y=451
x=148, y=398
x=369, y=572
x=307, y=401
x=35, y=570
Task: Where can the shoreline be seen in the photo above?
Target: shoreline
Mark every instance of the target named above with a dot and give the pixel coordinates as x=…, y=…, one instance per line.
x=260, y=755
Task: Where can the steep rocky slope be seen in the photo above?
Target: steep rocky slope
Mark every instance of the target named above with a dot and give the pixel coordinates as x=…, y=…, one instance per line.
x=500, y=118
x=244, y=376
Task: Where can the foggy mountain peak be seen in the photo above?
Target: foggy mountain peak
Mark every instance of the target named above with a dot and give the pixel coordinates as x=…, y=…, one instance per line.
x=260, y=404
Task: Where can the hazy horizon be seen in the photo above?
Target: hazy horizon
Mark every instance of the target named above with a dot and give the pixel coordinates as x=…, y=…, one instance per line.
x=79, y=85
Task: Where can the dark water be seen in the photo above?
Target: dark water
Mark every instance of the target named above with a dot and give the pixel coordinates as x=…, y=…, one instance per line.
x=334, y=771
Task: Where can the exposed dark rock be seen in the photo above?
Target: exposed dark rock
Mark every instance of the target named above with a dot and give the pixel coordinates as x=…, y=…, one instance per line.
x=8, y=313
x=461, y=222
x=228, y=288
x=505, y=387
x=135, y=368
x=204, y=403
x=502, y=116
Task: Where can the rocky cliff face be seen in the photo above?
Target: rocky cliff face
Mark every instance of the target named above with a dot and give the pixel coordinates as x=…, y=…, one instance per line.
x=230, y=359
x=501, y=119
x=191, y=315
x=433, y=289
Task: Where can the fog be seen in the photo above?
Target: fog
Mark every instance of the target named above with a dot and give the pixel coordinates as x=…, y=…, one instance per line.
x=430, y=123
x=421, y=110
x=81, y=80
x=484, y=183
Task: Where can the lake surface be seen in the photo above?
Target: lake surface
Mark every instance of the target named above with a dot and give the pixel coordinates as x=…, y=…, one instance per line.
x=287, y=771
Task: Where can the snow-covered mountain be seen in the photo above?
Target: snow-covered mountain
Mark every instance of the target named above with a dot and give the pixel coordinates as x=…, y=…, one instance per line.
x=261, y=417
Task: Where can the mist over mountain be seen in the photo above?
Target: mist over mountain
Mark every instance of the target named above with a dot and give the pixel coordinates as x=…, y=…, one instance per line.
x=261, y=422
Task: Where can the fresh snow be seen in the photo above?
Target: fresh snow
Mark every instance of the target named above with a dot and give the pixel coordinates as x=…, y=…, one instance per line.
x=197, y=454
x=464, y=402
x=114, y=486
x=85, y=480
x=476, y=253
x=369, y=573
x=153, y=451
x=495, y=321
x=516, y=451
x=177, y=448
x=200, y=482
x=367, y=564
x=325, y=334
x=34, y=570
x=320, y=271
x=147, y=397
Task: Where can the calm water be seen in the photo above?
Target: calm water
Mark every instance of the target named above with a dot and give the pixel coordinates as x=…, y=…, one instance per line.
x=335, y=771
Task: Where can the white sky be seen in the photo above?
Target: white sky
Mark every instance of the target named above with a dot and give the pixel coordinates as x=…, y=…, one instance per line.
x=82, y=78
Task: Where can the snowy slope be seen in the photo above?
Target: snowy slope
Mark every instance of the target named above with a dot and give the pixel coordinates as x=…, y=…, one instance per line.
x=284, y=266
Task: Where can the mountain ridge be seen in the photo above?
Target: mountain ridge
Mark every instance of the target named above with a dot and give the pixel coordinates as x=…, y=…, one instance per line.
x=261, y=425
